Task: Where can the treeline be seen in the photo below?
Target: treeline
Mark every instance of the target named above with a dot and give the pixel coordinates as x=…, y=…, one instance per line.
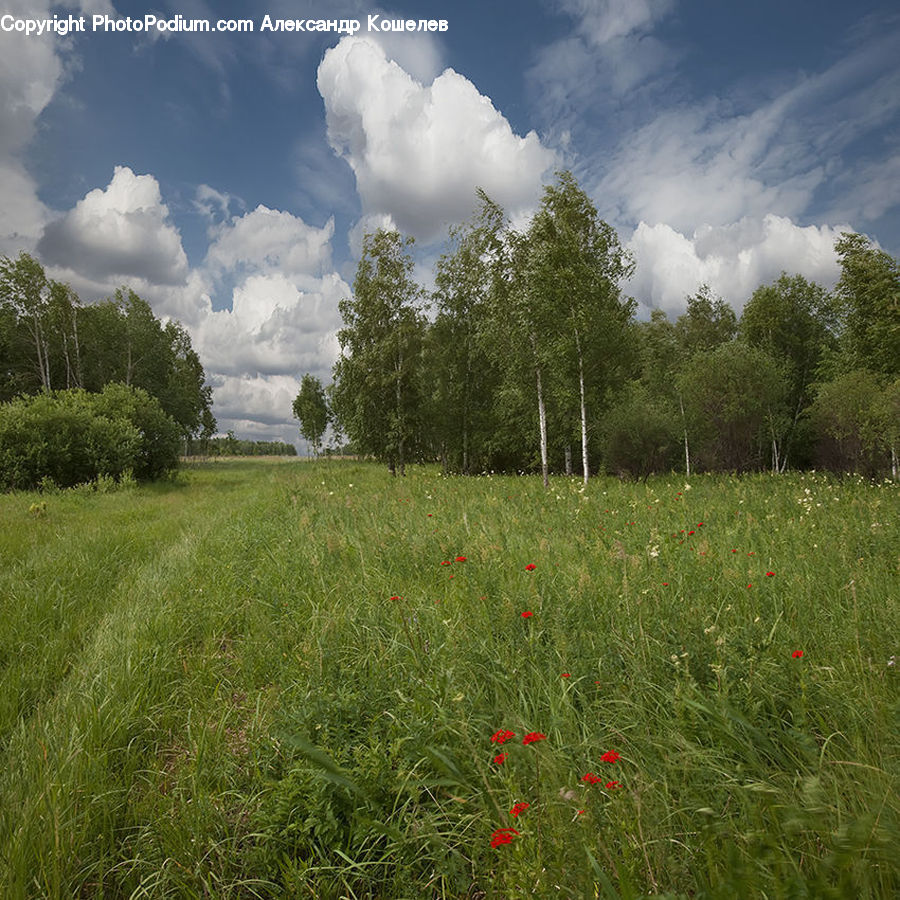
x=232, y=446
x=62, y=414
x=532, y=359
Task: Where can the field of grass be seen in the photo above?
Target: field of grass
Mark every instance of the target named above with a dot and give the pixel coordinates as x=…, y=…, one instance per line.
x=284, y=680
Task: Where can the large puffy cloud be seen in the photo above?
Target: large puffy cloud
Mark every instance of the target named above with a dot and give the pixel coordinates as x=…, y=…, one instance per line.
x=733, y=260
x=276, y=325
x=120, y=232
x=261, y=309
x=270, y=239
x=419, y=152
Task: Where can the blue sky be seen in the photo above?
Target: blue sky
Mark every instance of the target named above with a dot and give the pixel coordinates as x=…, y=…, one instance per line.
x=228, y=178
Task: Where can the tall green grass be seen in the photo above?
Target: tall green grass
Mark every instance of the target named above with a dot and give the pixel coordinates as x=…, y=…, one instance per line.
x=261, y=681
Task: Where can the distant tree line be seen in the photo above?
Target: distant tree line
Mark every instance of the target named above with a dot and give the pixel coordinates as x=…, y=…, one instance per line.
x=80, y=383
x=232, y=446
x=531, y=359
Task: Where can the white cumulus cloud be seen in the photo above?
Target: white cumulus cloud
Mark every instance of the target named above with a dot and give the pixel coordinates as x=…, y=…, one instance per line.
x=118, y=232
x=419, y=152
x=271, y=239
x=733, y=259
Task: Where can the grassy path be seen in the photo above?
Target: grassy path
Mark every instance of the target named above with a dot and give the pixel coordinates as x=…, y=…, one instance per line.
x=282, y=680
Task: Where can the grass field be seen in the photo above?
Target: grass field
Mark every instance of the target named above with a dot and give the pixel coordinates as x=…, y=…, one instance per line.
x=279, y=680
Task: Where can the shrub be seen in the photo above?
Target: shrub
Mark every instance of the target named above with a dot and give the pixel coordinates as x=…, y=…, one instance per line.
x=72, y=437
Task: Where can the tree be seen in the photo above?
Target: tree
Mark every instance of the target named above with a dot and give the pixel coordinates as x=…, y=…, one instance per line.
x=640, y=433
x=792, y=320
x=377, y=388
x=868, y=295
x=848, y=416
x=662, y=355
x=311, y=408
x=733, y=398
x=25, y=291
x=707, y=322
x=575, y=263
x=458, y=351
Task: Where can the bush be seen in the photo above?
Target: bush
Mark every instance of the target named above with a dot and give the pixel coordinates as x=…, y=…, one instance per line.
x=72, y=437
x=157, y=454
x=639, y=435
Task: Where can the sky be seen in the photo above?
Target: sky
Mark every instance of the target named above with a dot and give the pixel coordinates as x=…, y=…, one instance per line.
x=228, y=178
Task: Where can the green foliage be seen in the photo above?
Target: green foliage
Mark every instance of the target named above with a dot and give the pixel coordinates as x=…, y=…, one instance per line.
x=48, y=341
x=74, y=437
x=231, y=446
x=868, y=294
x=707, y=323
x=377, y=378
x=311, y=408
x=640, y=434
x=856, y=419
x=734, y=401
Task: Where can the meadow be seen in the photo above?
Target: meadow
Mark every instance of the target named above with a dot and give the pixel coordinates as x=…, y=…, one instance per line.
x=307, y=679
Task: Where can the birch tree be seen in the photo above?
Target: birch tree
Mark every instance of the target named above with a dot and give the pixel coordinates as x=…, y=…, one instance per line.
x=377, y=388
x=575, y=263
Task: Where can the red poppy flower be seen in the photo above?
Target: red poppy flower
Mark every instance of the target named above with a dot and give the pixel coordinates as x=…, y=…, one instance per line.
x=503, y=836
x=519, y=807
x=533, y=737
x=500, y=736
x=580, y=812
x=797, y=654
x=566, y=675
x=591, y=778
x=396, y=598
x=530, y=567
x=612, y=785
x=665, y=584
x=460, y=558
x=769, y=574
x=610, y=756
x=500, y=758
x=446, y=562
x=527, y=614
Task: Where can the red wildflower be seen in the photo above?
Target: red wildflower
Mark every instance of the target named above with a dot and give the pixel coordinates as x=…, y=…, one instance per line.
x=500, y=758
x=503, y=836
x=566, y=675
x=519, y=807
x=534, y=736
x=769, y=574
x=500, y=736
x=591, y=778
x=530, y=567
x=527, y=614
x=580, y=812
x=395, y=597
x=612, y=785
x=446, y=562
x=610, y=756
x=665, y=584
x=797, y=654
x=460, y=558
